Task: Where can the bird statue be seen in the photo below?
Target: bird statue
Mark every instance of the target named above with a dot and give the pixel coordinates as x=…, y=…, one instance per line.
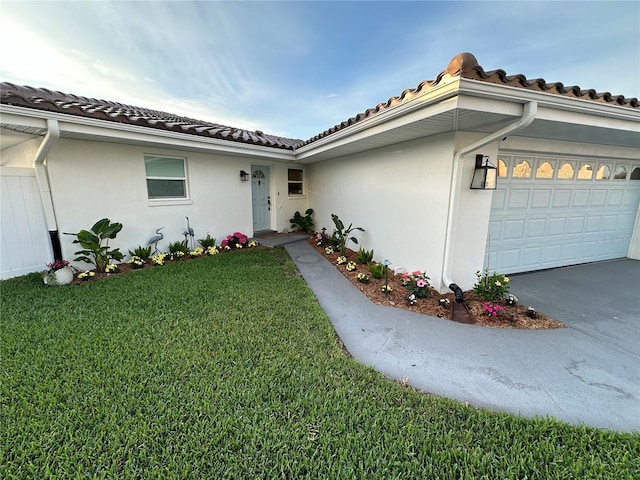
x=155, y=239
x=189, y=232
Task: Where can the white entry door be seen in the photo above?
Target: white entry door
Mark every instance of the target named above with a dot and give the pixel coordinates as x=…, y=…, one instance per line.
x=551, y=212
x=260, y=199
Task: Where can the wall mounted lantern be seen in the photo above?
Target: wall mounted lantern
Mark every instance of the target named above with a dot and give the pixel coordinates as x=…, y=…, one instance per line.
x=485, y=175
x=244, y=176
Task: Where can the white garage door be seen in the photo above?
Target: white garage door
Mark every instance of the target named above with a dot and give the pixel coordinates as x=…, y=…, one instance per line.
x=551, y=212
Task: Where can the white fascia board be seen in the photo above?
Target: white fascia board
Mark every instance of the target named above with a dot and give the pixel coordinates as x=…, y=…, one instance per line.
x=114, y=131
x=548, y=101
x=21, y=118
x=437, y=100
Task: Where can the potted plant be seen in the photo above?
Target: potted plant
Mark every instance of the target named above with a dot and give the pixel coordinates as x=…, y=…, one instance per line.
x=59, y=273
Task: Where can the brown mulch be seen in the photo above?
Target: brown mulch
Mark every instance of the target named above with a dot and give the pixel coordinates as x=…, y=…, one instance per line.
x=512, y=317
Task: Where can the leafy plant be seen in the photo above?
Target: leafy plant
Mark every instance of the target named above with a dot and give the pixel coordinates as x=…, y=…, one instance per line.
x=207, y=241
x=302, y=224
x=364, y=256
x=377, y=270
x=178, y=250
x=141, y=252
x=417, y=283
x=95, y=244
x=491, y=287
x=342, y=233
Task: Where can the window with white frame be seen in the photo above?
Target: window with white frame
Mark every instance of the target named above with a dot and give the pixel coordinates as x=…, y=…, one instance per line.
x=166, y=177
x=295, y=182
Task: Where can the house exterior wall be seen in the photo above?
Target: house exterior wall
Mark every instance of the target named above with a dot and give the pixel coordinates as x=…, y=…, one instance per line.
x=398, y=194
x=93, y=180
x=21, y=155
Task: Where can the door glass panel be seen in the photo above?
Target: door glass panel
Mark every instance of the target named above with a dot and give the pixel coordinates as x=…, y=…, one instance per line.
x=635, y=175
x=502, y=169
x=603, y=173
x=544, y=171
x=585, y=172
x=566, y=171
x=620, y=173
x=522, y=170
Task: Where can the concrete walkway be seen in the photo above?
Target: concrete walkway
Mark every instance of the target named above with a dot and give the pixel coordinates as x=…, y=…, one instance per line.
x=588, y=373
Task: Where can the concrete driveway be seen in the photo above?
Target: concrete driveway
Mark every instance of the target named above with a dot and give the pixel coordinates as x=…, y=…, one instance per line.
x=588, y=373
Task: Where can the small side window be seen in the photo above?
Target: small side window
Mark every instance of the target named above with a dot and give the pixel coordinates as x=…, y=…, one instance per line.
x=295, y=182
x=166, y=177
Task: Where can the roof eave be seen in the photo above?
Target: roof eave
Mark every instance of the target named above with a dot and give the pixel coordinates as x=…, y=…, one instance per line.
x=103, y=130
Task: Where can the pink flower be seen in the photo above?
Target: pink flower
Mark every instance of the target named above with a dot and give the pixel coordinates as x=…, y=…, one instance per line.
x=420, y=283
x=224, y=243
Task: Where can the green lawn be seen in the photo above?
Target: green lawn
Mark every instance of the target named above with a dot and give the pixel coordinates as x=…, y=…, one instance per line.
x=226, y=367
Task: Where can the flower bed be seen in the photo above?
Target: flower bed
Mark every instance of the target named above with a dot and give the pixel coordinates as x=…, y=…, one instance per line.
x=431, y=303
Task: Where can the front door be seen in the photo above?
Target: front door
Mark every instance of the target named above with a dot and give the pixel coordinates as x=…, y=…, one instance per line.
x=260, y=199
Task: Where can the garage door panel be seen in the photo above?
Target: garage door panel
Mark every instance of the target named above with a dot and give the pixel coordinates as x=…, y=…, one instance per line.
x=609, y=223
x=575, y=225
x=513, y=229
x=518, y=199
x=631, y=197
x=555, y=226
x=543, y=223
x=551, y=255
x=592, y=223
x=580, y=198
x=562, y=198
x=541, y=198
x=535, y=227
x=615, y=197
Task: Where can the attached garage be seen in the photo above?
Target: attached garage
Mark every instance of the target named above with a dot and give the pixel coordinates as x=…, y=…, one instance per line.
x=552, y=211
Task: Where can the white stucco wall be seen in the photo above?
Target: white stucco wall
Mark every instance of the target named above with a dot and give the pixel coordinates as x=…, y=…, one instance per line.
x=398, y=194
x=20, y=155
x=93, y=180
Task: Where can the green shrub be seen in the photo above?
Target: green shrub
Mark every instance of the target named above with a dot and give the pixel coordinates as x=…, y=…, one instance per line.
x=491, y=287
x=364, y=256
x=178, y=250
x=207, y=242
x=95, y=244
x=377, y=270
x=141, y=252
x=302, y=224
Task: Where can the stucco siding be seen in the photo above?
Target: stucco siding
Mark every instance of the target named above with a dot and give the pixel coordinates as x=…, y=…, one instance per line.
x=95, y=180
x=398, y=194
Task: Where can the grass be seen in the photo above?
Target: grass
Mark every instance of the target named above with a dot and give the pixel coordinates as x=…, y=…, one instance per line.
x=227, y=368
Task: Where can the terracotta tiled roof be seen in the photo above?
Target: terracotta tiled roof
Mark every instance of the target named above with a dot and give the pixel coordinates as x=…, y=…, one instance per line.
x=463, y=65
x=51, y=101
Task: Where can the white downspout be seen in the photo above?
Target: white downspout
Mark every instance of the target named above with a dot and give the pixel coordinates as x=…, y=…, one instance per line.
x=53, y=133
x=528, y=115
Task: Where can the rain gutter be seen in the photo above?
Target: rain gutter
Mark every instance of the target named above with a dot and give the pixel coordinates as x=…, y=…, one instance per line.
x=528, y=115
x=42, y=179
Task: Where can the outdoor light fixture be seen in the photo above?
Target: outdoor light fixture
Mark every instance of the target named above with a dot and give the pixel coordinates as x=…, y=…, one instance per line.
x=485, y=175
x=244, y=176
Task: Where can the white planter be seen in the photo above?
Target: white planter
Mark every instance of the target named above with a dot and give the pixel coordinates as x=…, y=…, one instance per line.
x=64, y=276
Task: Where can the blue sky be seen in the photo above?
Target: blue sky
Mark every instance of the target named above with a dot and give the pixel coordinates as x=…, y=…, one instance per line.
x=297, y=68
